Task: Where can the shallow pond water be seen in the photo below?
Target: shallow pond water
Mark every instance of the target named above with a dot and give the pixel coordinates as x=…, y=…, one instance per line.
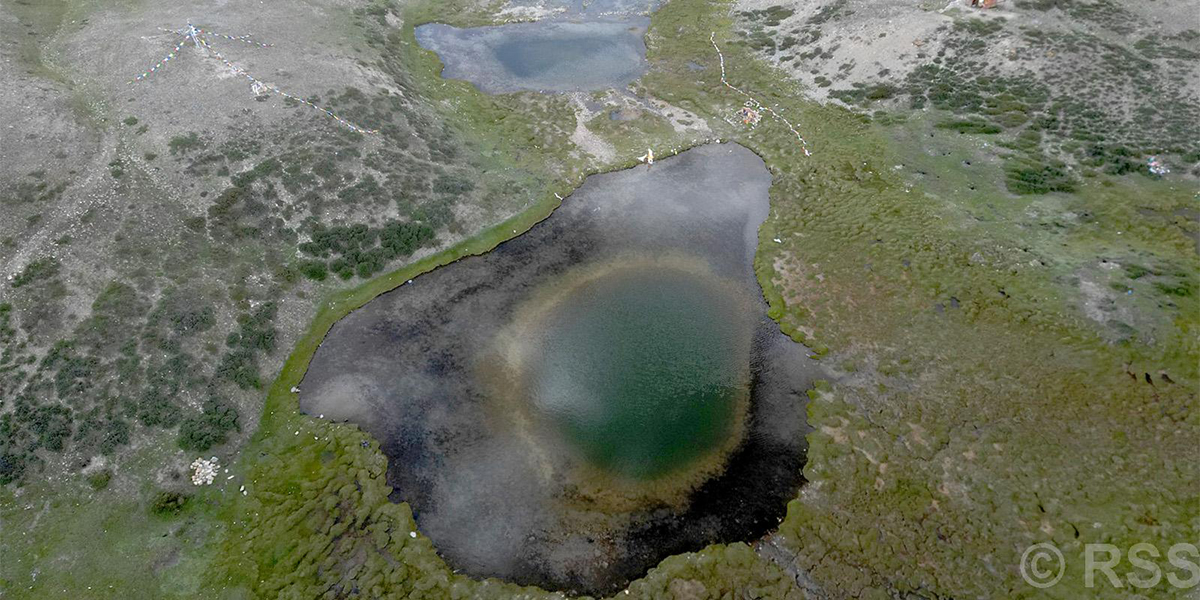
x=573, y=8
x=543, y=56
x=592, y=396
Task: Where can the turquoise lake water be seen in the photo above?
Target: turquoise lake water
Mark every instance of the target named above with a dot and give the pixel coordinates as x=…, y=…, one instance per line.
x=642, y=370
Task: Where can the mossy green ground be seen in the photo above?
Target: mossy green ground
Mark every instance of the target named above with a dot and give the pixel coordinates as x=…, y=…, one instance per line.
x=979, y=409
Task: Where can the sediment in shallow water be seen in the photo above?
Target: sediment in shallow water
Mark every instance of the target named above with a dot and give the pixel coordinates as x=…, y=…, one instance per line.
x=638, y=366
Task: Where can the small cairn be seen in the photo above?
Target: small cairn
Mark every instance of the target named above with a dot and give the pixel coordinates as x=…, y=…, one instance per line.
x=204, y=471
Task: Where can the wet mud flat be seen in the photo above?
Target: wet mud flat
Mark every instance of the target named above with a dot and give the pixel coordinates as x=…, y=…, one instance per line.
x=544, y=56
x=485, y=381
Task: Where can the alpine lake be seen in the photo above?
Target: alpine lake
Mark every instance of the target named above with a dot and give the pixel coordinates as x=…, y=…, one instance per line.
x=600, y=392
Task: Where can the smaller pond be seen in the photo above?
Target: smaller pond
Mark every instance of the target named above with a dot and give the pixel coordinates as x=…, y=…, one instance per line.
x=573, y=8
x=544, y=56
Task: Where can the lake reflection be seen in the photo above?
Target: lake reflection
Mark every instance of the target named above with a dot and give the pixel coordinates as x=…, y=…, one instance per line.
x=544, y=56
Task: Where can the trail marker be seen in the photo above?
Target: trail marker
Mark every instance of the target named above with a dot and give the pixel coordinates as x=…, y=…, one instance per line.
x=199, y=38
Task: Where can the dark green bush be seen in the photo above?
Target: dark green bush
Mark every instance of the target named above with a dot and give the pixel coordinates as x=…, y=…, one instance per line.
x=38, y=270
x=186, y=312
x=182, y=144
x=209, y=428
x=51, y=423
x=263, y=169
x=12, y=467
x=168, y=503
x=75, y=376
x=402, y=239
x=1025, y=176
x=157, y=409
x=240, y=367
x=976, y=127
x=452, y=185
x=314, y=269
x=1134, y=271
x=100, y=479
x=1181, y=288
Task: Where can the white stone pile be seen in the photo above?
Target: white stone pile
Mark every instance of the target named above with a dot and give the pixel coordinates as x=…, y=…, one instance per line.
x=204, y=471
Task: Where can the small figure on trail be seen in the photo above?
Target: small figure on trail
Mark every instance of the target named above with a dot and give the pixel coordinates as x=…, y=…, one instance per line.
x=1156, y=166
x=647, y=158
